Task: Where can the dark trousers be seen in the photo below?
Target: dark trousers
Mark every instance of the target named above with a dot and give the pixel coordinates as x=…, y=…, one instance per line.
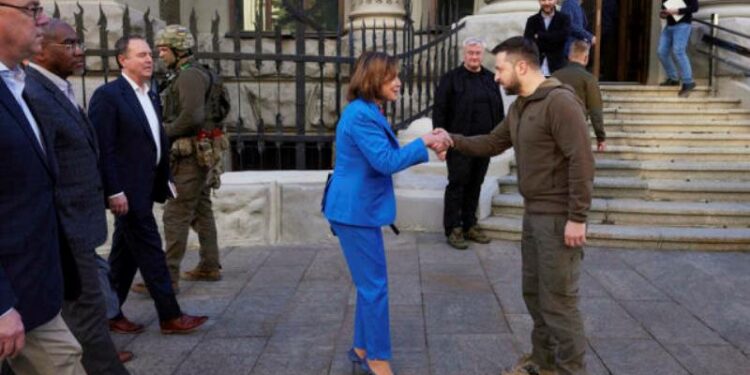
x=136, y=245
x=550, y=289
x=465, y=178
x=86, y=318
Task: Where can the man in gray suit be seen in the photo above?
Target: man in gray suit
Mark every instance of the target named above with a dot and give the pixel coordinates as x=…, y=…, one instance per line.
x=78, y=194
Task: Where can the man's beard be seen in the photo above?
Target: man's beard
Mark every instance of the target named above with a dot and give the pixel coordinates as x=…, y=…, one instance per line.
x=514, y=87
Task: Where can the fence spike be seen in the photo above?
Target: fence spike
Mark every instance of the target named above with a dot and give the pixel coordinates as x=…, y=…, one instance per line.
x=148, y=25
x=193, y=24
x=364, y=36
x=215, y=44
x=126, y=21
x=80, y=28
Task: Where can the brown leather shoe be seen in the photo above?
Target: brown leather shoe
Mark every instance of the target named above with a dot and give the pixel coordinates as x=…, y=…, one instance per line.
x=125, y=356
x=140, y=288
x=198, y=274
x=184, y=324
x=123, y=325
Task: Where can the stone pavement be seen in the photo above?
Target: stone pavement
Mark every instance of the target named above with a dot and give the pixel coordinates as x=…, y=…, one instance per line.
x=288, y=310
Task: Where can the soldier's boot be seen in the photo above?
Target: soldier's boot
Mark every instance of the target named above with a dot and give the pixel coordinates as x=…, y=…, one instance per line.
x=456, y=239
x=477, y=235
x=525, y=366
x=198, y=274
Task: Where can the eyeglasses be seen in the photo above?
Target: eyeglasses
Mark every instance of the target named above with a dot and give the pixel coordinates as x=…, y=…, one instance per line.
x=71, y=46
x=33, y=10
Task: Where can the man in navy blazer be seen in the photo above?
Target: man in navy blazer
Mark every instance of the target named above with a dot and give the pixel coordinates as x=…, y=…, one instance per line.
x=135, y=170
x=549, y=29
x=79, y=187
x=33, y=337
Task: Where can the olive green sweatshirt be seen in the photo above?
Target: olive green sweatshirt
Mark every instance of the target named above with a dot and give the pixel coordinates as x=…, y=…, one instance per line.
x=549, y=134
x=586, y=87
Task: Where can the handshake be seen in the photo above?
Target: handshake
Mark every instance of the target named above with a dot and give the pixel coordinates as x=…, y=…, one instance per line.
x=439, y=141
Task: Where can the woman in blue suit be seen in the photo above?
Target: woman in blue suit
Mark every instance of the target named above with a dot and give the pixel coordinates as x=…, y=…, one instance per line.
x=360, y=200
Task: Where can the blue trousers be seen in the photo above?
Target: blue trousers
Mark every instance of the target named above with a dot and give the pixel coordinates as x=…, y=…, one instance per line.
x=674, y=40
x=365, y=255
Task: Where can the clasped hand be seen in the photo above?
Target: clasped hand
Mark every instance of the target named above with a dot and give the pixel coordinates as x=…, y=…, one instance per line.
x=439, y=141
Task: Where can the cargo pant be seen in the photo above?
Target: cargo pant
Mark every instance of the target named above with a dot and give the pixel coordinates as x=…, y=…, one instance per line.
x=191, y=208
x=550, y=289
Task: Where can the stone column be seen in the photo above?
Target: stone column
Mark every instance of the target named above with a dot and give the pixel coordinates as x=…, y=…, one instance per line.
x=497, y=20
x=390, y=12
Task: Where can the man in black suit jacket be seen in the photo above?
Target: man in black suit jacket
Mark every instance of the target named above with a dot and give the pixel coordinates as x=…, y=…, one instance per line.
x=549, y=29
x=78, y=192
x=135, y=170
x=33, y=337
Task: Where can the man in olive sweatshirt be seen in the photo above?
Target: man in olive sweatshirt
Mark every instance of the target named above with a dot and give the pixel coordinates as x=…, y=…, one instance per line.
x=586, y=87
x=546, y=126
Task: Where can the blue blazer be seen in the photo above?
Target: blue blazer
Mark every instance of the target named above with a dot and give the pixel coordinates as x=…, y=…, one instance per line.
x=367, y=154
x=128, y=151
x=78, y=192
x=30, y=271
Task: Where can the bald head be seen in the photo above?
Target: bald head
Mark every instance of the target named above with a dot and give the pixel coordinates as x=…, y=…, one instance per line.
x=53, y=28
x=62, y=52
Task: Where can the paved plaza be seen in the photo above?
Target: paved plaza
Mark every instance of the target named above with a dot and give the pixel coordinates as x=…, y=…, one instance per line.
x=288, y=310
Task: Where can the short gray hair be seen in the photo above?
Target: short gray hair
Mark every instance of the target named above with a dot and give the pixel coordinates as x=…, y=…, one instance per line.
x=474, y=41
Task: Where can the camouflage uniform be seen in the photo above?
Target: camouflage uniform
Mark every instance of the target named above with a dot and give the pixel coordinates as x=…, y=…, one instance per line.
x=184, y=115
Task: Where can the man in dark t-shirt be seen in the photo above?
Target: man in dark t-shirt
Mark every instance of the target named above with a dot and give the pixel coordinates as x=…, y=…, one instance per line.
x=468, y=102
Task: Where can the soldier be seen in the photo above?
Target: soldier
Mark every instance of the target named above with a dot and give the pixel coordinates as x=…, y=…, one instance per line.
x=186, y=114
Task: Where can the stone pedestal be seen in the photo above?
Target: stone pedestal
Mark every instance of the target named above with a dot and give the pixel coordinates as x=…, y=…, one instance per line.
x=377, y=12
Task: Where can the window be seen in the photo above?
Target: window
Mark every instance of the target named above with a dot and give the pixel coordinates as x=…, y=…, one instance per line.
x=322, y=15
x=457, y=9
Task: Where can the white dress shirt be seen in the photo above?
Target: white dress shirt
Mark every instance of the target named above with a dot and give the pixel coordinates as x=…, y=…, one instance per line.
x=15, y=79
x=61, y=84
x=148, y=108
x=545, y=63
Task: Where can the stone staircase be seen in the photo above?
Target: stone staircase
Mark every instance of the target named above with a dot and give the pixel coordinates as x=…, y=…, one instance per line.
x=676, y=174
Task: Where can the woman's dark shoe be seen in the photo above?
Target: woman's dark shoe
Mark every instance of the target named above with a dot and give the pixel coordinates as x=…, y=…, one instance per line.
x=355, y=359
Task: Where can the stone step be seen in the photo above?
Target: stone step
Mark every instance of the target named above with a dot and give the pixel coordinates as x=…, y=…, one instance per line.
x=643, y=212
x=639, y=237
x=676, y=114
x=650, y=91
x=657, y=189
x=674, y=170
x=675, y=153
x=696, y=125
x=643, y=102
x=670, y=170
x=657, y=139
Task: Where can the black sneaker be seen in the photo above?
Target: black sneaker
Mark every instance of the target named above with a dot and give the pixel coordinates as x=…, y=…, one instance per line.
x=685, y=90
x=670, y=82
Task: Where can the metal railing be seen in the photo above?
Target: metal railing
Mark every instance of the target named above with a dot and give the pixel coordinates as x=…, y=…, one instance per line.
x=716, y=43
x=267, y=129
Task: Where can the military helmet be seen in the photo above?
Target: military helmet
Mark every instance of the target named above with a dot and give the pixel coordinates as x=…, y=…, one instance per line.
x=175, y=36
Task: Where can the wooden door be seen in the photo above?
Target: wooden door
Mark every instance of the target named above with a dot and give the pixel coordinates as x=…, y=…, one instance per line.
x=634, y=40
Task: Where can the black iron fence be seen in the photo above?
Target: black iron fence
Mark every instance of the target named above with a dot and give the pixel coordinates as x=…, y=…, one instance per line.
x=288, y=88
